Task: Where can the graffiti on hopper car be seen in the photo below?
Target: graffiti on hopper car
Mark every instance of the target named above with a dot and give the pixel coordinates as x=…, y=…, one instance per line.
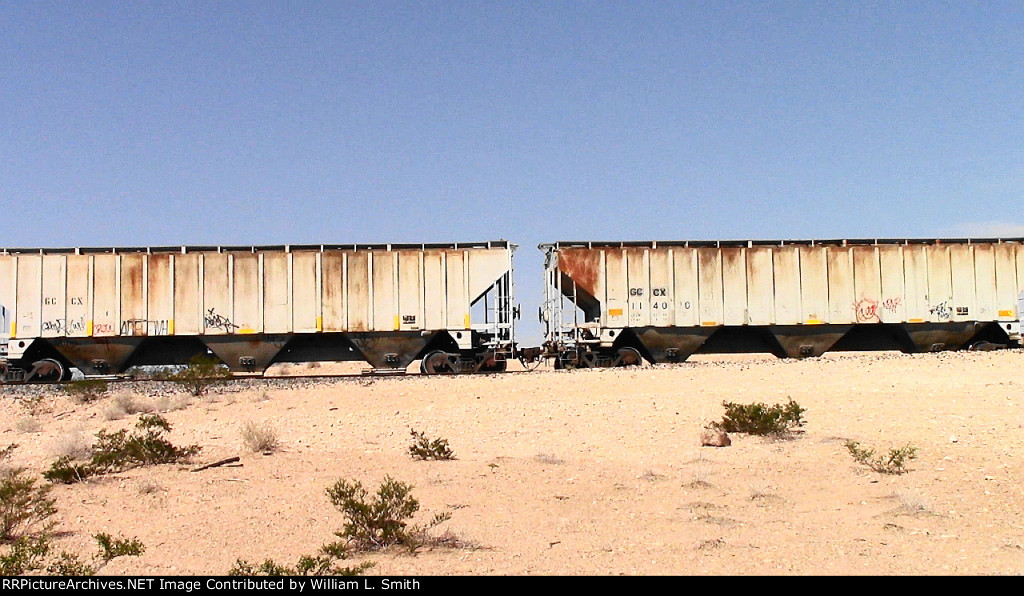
x=64, y=326
x=867, y=310
x=891, y=304
x=942, y=310
x=216, y=321
x=145, y=327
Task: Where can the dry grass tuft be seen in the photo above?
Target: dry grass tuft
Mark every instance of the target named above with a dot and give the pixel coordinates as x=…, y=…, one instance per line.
x=761, y=492
x=28, y=425
x=717, y=520
x=126, y=405
x=260, y=438
x=171, y=403
x=912, y=502
x=711, y=544
x=148, y=487
x=450, y=540
x=74, y=443
x=651, y=476
x=701, y=474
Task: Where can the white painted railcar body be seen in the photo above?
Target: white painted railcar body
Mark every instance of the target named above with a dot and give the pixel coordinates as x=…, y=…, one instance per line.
x=794, y=298
x=104, y=309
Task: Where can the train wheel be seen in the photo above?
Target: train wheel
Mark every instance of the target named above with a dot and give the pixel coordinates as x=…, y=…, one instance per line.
x=436, y=363
x=46, y=370
x=629, y=357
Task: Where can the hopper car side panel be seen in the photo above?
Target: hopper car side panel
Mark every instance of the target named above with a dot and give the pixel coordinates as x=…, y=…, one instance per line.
x=104, y=310
x=787, y=297
x=790, y=298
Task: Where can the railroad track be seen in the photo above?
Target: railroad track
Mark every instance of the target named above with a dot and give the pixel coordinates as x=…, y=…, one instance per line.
x=247, y=380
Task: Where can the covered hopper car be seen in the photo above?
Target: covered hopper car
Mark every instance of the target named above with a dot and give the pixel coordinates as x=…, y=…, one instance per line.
x=103, y=310
x=450, y=306
x=615, y=303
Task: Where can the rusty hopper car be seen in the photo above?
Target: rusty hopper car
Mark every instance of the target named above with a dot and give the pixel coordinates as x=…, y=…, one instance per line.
x=105, y=310
x=613, y=303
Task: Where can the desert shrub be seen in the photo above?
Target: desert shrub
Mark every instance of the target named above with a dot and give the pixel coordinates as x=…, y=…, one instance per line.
x=326, y=562
x=121, y=450
x=260, y=438
x=377, y=523
x=111, y=548
x=201, y=373
x=307, y=565
x=24, y=555
x=380, y=522
x=760, y=418
x=85, y=390
x=371, y=524
x=26, y=526
x=145, y=447
x=893, y=462
x=32, y=554
x=424, y=448
x=25, y=507
x=69, y=564
x=6, y=452
x=65, y=470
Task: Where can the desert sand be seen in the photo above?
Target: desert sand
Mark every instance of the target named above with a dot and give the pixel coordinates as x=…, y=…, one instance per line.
x=589, y=472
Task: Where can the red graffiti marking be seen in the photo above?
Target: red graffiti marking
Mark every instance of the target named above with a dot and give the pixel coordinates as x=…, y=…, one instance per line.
x=867, y=311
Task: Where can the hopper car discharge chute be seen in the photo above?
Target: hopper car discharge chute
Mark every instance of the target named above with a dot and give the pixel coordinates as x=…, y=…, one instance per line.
x=614, y=303
x=104, y=310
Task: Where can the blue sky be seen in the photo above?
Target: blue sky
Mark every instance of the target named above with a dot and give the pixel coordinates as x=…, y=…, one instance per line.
x=165, y=123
